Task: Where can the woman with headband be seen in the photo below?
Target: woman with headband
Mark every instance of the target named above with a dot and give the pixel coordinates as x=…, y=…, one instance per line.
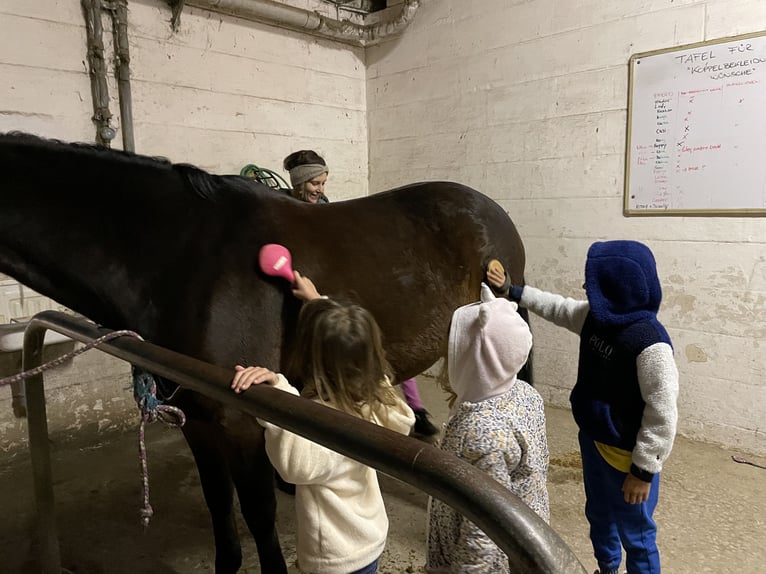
x=308, y=175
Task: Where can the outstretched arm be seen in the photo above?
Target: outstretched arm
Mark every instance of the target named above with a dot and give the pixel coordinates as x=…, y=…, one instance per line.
x=563, y=311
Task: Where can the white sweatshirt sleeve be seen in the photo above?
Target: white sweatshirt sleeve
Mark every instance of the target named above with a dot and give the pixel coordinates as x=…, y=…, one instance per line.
x=562, y=311
x=297, y=459
x=658, y=380
x=302, y=461
x=398, y=417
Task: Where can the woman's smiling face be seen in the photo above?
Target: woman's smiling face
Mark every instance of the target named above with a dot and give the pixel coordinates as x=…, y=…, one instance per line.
x=314, y=188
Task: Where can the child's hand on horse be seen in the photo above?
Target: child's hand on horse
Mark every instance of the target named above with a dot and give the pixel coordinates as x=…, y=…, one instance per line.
x=497, y=278
x=304, y=288
x=245, y=377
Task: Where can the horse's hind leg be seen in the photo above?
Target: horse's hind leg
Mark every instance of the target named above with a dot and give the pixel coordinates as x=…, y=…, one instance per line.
x=254, y=480
x=207, y=446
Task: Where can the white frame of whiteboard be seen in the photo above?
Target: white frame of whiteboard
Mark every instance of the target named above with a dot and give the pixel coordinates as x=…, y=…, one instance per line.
x=632, y=210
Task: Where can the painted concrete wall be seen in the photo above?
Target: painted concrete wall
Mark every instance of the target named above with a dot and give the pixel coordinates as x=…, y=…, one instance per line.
x=526, y=101
x=219, y=93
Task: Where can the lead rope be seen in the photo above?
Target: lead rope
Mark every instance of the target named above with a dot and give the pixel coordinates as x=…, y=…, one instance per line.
x=145, y=393
x=65, y=357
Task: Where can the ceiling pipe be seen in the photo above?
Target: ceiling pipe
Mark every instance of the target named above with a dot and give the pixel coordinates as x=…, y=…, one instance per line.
x=285, y=16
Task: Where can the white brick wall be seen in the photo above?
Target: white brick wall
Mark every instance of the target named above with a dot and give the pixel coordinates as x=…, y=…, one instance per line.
x=20, y=302
x=220, y=93
x=223, y=93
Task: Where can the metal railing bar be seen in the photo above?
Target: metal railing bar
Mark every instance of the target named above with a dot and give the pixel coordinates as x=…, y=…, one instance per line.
x=531, y=545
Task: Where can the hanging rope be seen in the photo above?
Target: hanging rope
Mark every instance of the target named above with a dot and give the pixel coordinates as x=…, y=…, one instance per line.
x=152, y=409
x=145, y=394
x=65, y=357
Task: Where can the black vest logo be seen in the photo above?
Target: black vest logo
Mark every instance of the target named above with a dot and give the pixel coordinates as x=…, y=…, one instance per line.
x=600, y=347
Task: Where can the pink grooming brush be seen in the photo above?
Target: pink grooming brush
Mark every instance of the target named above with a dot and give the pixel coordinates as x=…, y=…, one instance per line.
x=275, y=260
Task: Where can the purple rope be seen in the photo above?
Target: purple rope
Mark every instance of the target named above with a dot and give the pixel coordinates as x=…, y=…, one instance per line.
x=63, y=358
x=150, y=409
x=171, y=416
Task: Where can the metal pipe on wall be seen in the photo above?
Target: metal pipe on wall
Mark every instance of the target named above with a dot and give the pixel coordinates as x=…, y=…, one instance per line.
x=370, y=35
x=119, y=12
x=97, y=70
x=302, y=20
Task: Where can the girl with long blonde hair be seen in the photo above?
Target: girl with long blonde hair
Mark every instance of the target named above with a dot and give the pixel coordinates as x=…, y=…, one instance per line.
x=342, y=522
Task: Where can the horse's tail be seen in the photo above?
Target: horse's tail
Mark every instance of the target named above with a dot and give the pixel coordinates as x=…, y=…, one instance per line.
x=525, y=374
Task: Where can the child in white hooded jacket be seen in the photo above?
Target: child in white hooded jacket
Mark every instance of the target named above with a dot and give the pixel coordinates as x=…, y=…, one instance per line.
x=497, y=423
x=342, y=523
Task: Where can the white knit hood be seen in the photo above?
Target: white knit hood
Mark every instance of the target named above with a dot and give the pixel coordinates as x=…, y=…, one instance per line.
x=489, y=343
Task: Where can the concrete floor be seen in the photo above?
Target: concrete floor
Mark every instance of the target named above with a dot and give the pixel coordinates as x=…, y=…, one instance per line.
x=712, y=512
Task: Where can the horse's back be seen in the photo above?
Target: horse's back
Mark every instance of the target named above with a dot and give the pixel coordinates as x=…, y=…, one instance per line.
x=411, y=255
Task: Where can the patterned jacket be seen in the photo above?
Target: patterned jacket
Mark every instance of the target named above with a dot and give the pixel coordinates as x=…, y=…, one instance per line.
x=505, y=437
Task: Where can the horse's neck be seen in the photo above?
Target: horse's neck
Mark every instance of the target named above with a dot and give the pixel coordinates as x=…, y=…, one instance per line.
x=62, y=234
x=70, y=260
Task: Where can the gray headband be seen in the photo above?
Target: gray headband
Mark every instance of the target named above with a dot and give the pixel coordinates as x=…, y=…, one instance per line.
x=303, y=173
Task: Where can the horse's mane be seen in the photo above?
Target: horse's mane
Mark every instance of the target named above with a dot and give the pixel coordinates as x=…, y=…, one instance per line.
x=210, y=186
x=86, y=149
x=197, y=180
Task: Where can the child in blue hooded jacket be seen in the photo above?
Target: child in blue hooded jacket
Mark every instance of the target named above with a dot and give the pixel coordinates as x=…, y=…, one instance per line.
x=624, y=399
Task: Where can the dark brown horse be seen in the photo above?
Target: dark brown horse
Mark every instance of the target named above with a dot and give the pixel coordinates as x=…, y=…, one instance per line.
x=171, y=252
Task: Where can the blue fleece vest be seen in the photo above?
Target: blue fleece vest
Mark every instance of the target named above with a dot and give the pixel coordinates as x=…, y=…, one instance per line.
x=606, y=400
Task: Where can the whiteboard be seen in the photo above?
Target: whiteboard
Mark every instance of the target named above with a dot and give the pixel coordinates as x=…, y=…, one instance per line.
x=696, y=141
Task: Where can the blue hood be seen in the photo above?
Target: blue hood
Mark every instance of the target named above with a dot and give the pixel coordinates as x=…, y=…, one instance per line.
x=621, y=282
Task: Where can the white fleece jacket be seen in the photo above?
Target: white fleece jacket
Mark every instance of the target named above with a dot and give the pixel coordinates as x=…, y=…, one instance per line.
x=342, y=521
